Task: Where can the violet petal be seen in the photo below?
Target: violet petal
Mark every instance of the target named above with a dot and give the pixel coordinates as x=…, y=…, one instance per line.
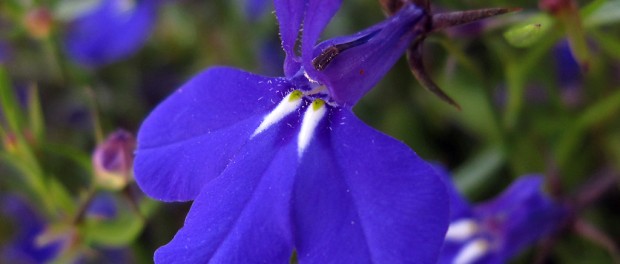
x=191, y=137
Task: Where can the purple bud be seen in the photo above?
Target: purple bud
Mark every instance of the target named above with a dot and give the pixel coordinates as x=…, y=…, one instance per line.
x=113, y=160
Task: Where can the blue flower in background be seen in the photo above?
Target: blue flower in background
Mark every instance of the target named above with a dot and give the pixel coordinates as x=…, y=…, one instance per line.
x=103, y=206
x=111, y=31
x=282, y=164
x=254, y=9
x=568, y=73
x=497, y=230
x=27, y=226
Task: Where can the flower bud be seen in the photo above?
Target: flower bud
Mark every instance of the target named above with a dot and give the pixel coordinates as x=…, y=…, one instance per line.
x=38, y=22
x=113, y=160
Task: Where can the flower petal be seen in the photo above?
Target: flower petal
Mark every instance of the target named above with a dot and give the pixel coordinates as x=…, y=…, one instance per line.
x=529, y=213
x=22, y=247
x=290, y=15
x=361, y=196
x=191, y=137
x=318, y=14
x=368, y=55
x=110, y=32
x=459, y=206
x=243, y=215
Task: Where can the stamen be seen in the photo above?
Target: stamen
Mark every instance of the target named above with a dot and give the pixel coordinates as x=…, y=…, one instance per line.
x=472, y=251
x=461, y=230
x=312, y=117
x=291, y=102
x=317, y=90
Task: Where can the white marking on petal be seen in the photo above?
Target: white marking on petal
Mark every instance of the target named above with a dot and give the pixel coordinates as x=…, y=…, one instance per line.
x=461, y=230
x=288, y=105
x=472, y=251
x=312, y=117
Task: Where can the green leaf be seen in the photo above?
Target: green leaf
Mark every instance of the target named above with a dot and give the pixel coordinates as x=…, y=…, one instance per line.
x=122, y=230
x=9, y=103
x=61, y=197
x=528, y=33
x=35, y=114
x=478, y=169
x=607, y=13
x=606, y=109
x=116, y=232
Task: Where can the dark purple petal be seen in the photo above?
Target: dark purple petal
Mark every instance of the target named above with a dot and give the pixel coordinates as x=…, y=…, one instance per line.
x=318, y=14
x=110, y=32
x=192, y=136
x=242, y=216
x=361, y=197
x=290, y=15
x=372, y=52
x=527, y=214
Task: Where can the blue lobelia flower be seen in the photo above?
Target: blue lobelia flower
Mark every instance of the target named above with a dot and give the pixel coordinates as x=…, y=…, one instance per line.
x=497, y=230
x=111, y=31
x=28, y=225
x=568, y=72
x=282, y=164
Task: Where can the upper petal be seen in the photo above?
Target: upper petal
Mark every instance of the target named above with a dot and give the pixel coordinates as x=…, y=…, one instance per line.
x=110, y=32
x=318, y=15
x=290, y=15
x=361, y=196
x=191, y=137
x=243, y=215
x=365, y=57
x=312, y=16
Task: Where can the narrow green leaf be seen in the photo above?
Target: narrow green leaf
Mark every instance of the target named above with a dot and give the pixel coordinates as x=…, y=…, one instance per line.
x=605, y=109
x=9, y=103
x=35, y=114
x=478, y=169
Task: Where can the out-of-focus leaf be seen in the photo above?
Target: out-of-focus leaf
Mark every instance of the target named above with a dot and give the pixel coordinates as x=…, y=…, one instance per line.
x=525, y=36
x=588, y=9
x=607, y=13
x=123, y=229
x=35, y=114
x=610, y=44
x=9, y=103
x=605, y=109
x=116, y=232
x=478, y=169
x=529, y=32
x=61, y=197
x=613, y=148
x=70, y=9
x=32, y=177
x=79, y=157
